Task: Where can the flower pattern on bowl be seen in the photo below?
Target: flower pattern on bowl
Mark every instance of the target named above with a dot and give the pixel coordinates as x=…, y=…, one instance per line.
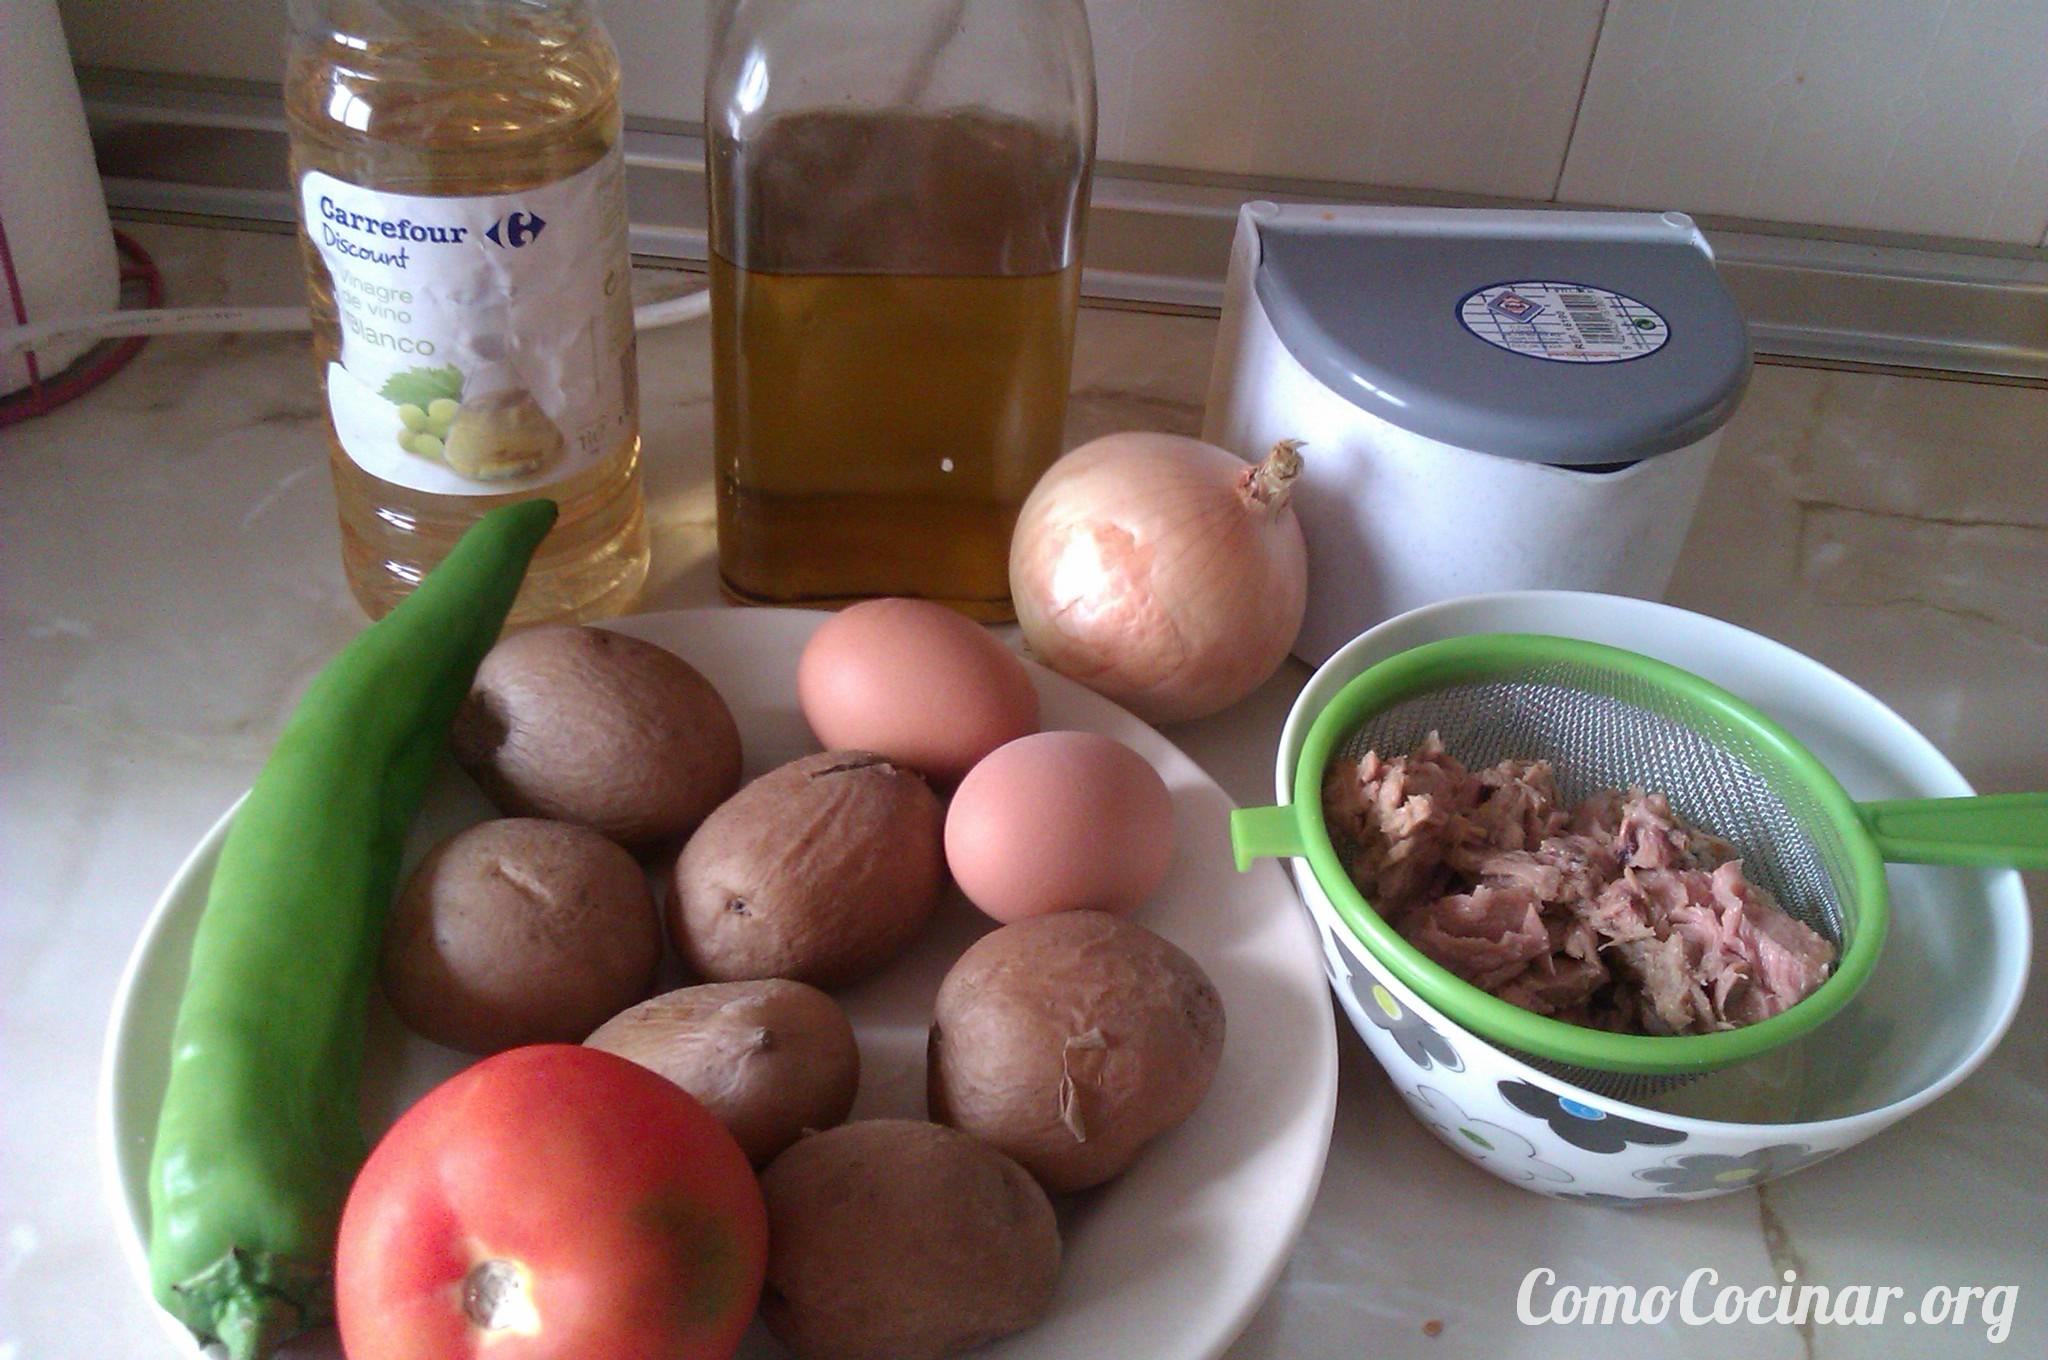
x=1341, y=960
x=1583, y=1126
x=1702, y=1172
x=1499, y=1149
x=1414, y=1036
x=1423, y=1045
x=1603, y=1200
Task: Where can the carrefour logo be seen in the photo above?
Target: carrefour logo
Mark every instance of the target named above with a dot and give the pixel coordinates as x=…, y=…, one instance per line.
x=515, y=229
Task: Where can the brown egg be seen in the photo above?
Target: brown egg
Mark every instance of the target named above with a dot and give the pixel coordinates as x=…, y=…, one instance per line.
x=916, y=682
x=1058, y=821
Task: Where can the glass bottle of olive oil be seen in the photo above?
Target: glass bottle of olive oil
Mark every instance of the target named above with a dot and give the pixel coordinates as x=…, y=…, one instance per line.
x=897, y=195
x=461, y=193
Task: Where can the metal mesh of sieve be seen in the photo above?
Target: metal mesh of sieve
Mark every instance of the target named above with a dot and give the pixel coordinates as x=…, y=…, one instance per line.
x=1606, y=728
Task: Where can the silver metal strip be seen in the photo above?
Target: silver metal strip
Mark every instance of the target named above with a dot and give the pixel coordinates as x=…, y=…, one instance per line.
x=216, y=150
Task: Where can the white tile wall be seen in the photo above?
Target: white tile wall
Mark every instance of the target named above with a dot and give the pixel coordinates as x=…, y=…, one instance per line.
x=664, y=46
x=1466, y=96
x=1909, y=115
x=1476, y=95
x=1900, y=115
x=237, y=39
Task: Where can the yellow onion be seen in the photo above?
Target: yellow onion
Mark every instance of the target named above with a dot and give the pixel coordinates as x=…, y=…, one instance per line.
x=1163, y=572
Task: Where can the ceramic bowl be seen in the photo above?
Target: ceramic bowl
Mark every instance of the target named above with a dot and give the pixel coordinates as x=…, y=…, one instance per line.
x=1942, y=995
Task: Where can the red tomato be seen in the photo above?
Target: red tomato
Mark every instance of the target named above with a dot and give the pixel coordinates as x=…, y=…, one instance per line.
x=551, y=1203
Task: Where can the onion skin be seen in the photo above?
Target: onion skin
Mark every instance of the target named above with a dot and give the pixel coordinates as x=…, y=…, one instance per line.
x=1162, y=572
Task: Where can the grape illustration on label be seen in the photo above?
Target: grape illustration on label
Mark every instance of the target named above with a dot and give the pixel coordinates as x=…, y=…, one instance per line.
x=490, y=437
x=427, y=400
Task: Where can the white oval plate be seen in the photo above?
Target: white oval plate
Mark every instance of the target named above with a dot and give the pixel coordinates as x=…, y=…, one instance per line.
x=1170, y=1260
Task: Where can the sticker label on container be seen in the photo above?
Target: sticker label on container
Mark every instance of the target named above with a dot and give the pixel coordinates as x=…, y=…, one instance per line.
x=487, y=341
x=1567, y=323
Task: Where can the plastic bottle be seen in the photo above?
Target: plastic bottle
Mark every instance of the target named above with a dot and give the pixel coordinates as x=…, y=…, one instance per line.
x=461, y=189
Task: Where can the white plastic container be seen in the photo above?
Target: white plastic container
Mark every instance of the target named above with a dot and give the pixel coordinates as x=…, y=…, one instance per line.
x=52, y=214
x=1490, y=400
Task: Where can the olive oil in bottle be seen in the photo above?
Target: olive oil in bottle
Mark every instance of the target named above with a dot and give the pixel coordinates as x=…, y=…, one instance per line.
x=879, y=432
x=461, y=187
x=896, y=205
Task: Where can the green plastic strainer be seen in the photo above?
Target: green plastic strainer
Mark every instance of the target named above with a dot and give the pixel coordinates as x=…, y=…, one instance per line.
x=1610, y=719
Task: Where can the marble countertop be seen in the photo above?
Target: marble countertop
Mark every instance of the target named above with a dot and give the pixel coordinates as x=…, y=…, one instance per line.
x=169, y=561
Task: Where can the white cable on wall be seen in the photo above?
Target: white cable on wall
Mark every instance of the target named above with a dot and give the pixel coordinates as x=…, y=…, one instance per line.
x=249, y=320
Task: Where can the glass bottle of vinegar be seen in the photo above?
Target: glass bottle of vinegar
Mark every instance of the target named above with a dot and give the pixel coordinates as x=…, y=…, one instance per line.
x=896, y=213
x=461, y=190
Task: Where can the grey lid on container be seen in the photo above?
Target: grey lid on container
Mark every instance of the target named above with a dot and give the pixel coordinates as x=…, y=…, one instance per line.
x=1369, y=301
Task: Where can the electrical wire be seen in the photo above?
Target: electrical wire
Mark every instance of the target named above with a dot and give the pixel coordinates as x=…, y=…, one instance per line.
x=139, y=274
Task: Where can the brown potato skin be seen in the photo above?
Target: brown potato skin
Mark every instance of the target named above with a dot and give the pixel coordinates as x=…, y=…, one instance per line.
x=590, y=726
x=520, y=931
x=894, y=1239
x=821, y=870
x=772, y=1059
x=1070, y=1041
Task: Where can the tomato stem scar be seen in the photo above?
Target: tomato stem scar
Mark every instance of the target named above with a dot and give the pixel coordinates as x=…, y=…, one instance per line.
x=498, y=1296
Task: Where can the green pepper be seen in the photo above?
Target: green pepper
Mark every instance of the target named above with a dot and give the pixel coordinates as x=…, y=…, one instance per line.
x=260, y=1133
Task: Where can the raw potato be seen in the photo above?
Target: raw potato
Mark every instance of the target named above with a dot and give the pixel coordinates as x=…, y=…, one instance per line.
x=1070, y=1041
x=821, y=870
x=893, y=1239
x=773, y=1059
x=520, y=931
x=590, y=726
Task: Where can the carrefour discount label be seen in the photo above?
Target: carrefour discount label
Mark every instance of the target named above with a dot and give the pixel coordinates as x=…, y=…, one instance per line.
x=486, y=341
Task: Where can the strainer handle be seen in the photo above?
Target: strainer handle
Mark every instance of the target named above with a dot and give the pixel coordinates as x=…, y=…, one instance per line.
x=1265, y=832
x=1999, y=830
